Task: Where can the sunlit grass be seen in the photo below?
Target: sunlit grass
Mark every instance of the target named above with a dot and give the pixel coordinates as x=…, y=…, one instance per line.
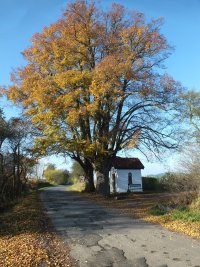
x=185, y=215
x=77, y=186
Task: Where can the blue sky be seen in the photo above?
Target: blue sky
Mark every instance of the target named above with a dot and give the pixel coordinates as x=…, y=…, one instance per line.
x=20, y=19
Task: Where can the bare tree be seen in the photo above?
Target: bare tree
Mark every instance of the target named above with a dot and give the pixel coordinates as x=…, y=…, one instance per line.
x=15, y=158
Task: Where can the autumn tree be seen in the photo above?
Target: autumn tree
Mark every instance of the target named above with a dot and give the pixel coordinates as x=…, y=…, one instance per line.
x=92, y=86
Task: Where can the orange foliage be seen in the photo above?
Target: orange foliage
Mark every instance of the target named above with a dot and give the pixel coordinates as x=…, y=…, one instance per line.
x=83, y=68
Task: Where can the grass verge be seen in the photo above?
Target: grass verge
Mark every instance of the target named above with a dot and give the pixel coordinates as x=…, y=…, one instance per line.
x=77, y=187
x=27, y=237
x=185, y=215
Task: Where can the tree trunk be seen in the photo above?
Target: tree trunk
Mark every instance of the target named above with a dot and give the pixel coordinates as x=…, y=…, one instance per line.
x=102, y=173
x=89, y=176
x=89, y=173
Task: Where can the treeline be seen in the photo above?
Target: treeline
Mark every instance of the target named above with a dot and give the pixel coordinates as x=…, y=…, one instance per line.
x=15, y=159
x=63, y=176
x=56, y=176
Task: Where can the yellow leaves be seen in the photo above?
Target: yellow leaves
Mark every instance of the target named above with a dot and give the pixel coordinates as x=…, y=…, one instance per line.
x=133, y=33
x=73, y=78
x=83, y=66
x=13, y=93
x=106, y=77
x=26, y=238
x=188, y=228
x=72, y=118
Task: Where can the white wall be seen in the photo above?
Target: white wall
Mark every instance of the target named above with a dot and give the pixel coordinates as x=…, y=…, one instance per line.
x=122, y=179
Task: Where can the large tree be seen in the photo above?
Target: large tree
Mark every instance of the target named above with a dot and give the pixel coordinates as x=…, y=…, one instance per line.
x=92, y=85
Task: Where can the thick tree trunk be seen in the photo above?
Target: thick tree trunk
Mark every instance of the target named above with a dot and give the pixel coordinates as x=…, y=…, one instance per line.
x=89, y=173
x=102, y=174
x=89, y=177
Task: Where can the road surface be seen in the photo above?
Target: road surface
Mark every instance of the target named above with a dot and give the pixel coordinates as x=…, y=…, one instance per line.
x=104, y=237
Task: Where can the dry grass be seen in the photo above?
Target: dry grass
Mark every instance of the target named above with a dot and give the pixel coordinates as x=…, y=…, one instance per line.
x=76, y=187
x=28, y=239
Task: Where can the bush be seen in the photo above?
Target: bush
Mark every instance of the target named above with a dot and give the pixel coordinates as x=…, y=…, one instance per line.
x=157, y=211
x=74, y=180
x=77, y=186
x=179, y=182
x=76, y=172
x=185, y=187
x=57, y=177
x=149, y=183
x=152, y=184
x=38, y=183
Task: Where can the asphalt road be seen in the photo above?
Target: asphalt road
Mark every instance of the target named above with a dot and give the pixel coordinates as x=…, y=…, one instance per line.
x=104, y=237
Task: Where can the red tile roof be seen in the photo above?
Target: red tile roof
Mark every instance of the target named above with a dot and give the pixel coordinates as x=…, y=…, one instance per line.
x=127, y=163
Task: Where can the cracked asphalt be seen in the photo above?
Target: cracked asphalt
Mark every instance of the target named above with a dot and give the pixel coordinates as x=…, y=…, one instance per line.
x=98, y=236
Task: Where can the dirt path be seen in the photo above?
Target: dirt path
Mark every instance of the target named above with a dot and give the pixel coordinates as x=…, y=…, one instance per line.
x=104, y=237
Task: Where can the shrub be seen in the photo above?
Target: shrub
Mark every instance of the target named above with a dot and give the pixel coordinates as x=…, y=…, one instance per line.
x=56, y=176
x=76, y=172
x=157, y=211
x=149, y=183
x=77, y=187
x=179, y=182
x=38, y=183
x=185, y=187
x=152, y=184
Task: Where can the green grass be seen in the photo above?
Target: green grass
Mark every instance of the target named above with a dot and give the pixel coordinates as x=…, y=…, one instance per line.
x=182, y=214
x=185, y=215
x=156, y=211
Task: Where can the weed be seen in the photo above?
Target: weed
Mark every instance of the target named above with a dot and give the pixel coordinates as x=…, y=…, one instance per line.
x=157, y=211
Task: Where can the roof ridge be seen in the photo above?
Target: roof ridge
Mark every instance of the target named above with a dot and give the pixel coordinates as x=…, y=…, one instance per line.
x=127, y=163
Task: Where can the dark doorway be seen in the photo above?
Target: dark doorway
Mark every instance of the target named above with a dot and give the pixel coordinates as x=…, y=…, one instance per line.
x=130, y=178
